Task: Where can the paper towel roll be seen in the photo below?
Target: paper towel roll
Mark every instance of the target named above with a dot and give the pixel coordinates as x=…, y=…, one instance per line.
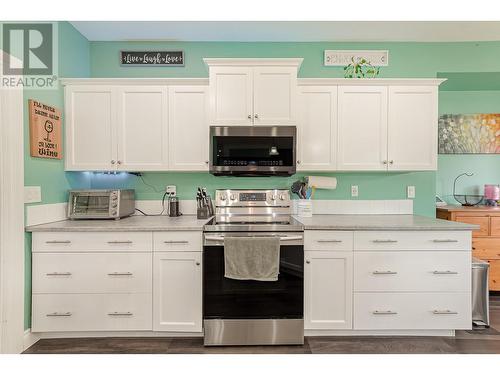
x=321, y=182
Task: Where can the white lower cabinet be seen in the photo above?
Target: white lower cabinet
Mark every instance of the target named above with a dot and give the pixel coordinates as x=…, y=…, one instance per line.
x=328, y=290
x=177, y=291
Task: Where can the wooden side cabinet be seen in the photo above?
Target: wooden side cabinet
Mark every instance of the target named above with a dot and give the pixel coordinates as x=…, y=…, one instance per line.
x=485, y=240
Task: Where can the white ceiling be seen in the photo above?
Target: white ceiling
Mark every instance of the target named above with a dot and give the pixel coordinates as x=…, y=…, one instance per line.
x=290, y=31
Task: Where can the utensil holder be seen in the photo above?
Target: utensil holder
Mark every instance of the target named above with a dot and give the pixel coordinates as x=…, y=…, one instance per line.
x=304, y=208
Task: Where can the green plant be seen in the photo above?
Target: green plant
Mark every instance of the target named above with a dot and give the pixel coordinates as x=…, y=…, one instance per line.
x=360, y=69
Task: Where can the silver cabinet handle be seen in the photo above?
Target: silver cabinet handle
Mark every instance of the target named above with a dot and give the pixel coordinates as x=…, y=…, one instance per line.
x=444, y=241
x=118, y=242
x=329, y=241
x=59, y=314
x=57, y=241
x=445, y=272
x=385, y=241
x=298, y=162
x=113, y=161
x=308, y=261
x=384, y=312
x=391, y=162
x=206, y=162
x=384, y=272
x=173, y=242
x=120, y=274
x=384, y=162
x=249, y=116
x=444, y=312
x=119, y=162
x=256, y=115
x=58, y=274
x=116, y=313
x=197, y=263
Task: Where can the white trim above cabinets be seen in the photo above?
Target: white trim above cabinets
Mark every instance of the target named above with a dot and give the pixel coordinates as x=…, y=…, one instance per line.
x=253, y=91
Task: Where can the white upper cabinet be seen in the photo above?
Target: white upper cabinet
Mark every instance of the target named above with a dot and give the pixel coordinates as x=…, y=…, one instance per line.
x=90, y=128
x=317, y=129
x=188, y=128
x=275, y=95
x=412, y=129
x=142, y=128
x=231, y=98
x=362, y=135
x=253, y=91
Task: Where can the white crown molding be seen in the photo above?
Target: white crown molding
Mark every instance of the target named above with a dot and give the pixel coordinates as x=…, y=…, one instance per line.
x=135, y=81
x=294, y=61
x=370, y=81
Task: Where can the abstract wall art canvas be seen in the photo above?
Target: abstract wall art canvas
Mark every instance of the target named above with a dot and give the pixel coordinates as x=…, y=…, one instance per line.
x=469, y=134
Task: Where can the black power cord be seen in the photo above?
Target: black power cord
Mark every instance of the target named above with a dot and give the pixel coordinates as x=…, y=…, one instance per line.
x=139, y=174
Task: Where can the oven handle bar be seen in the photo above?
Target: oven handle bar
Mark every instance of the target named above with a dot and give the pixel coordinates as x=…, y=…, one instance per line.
x=284, y=238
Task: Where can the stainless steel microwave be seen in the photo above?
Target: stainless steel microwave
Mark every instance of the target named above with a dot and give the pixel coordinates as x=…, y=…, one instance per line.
x=101, y=203
x=253, y=150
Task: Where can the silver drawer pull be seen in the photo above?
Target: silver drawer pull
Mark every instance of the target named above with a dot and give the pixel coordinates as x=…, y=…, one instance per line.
x=444, y=241
x=445, y=272
x=444, y=312
x=116, y=313
x=329, y=241
x=384, y=272
x=384, y=312
x=59, y=314
x=173, y=242
x=120, y=274
x=385, y=241
x=58, y=274
x=58, y=242
x=118, y=242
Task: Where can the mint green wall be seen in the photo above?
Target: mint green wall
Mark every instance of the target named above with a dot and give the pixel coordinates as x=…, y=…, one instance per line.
x=486, y=168
x=49, y=173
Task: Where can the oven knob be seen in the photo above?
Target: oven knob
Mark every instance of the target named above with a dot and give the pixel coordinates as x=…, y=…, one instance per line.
x=273, y=197
x=282, y=197
x=223, y=197
x=232, y=197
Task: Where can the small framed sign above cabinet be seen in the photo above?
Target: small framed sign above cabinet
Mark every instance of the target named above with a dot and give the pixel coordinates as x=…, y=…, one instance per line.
x=152, y=58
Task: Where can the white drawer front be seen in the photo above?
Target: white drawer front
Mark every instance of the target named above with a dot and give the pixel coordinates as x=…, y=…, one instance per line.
x=328, y=240
x=412, y=311
x=91, y=312
x=92, y=272
x=412, y=271
x=92, y=241
x=178, y=241
x=412, y=240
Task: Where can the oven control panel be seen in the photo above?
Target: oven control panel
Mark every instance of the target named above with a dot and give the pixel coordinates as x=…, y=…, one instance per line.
x=257, y=198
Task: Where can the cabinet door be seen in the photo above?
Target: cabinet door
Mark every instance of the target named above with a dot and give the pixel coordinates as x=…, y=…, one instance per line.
x=275, y=95
x=317, y=132
x=412, y=128
x=188, y=128
x=142, y=128
x=231, y=96
x=177, y=285
x=362, y=136
x=90, y=128
x=328, y=290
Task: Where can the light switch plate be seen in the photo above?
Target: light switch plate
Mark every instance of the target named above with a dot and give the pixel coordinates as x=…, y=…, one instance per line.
x=410, y=191
x=32, y=194
x=354, y=190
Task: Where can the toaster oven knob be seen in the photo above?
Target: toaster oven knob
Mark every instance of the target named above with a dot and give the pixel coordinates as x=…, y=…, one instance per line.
x=113, y=213
x=114, y=205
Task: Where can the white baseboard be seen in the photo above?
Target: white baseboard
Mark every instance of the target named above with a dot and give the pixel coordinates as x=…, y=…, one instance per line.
x=45, y=213
x=30, y=338
x=407, y=332
x=61, y=335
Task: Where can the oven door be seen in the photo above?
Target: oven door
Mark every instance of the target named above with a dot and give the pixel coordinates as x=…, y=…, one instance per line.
x=225, y=298
x=252, y=150
x=92, y=205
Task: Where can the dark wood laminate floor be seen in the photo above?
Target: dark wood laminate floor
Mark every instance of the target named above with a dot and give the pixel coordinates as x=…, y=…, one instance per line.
x=486, y=341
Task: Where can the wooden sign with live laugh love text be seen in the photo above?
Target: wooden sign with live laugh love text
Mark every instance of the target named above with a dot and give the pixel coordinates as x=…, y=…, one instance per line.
x=45, y=131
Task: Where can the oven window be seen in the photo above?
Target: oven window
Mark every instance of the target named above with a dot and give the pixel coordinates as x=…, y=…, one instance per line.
x=225, y=298
x=91, y=204
x=253, y=151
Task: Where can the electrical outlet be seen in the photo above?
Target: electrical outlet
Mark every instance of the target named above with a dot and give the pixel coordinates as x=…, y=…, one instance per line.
x=354, y=190
x=410, y=191
x=171, y=190
x=32, y=194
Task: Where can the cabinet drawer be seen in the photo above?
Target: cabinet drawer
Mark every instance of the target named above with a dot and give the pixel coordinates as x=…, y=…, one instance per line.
x=412, y=240
x=494, y=282
x=92, y=273
x=412, y=271
x=92, y=241
x=486, y=248
x=482, y=221
x=495, y=226
x=91, y=312
x=178, y=241
x=328, y=240
x=412, y=311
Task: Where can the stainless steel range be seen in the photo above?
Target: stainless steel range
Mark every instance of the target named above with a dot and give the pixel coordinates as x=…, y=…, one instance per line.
x=249, y=312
